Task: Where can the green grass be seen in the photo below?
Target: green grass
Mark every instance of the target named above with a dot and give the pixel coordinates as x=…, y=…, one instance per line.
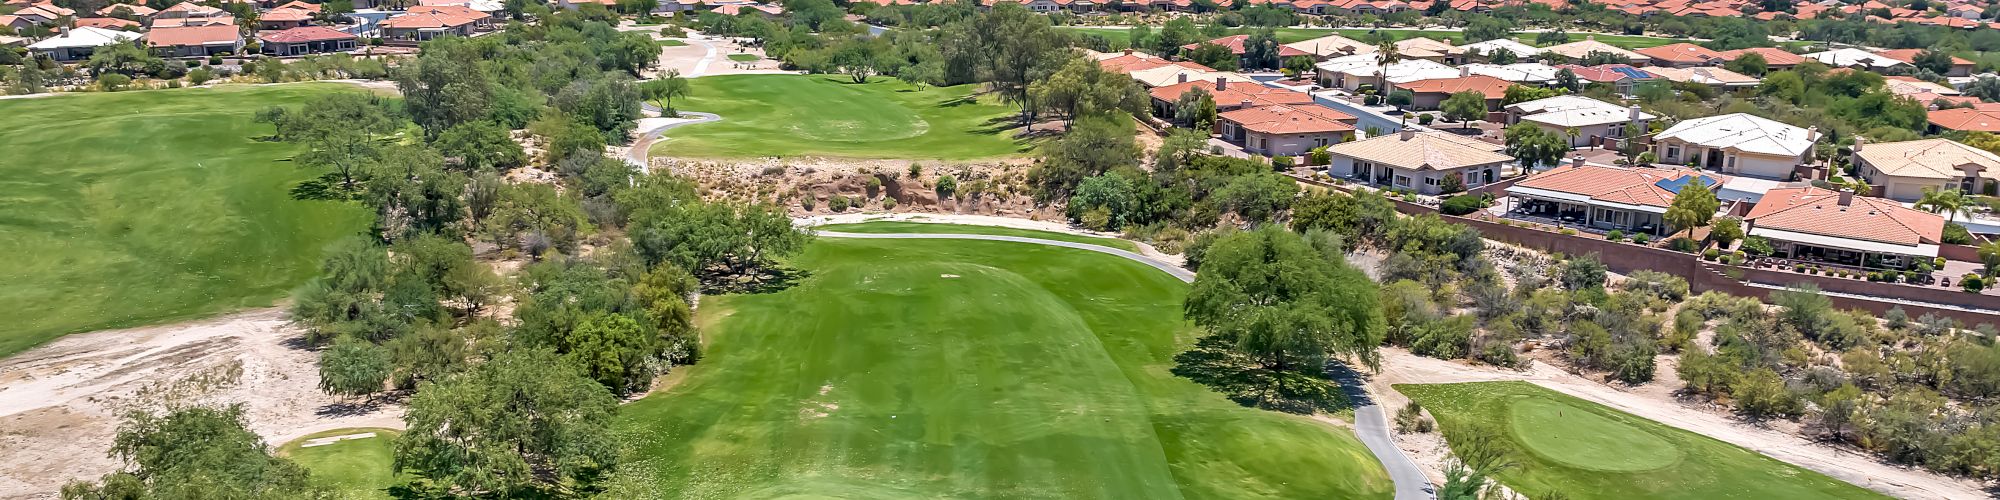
x=826, y=115
x=1590, y=451
x=1289, y=35
x=133, y=208
x=672, y=43
x=968, y=369
x=933, y=227
x=744, y=57
x=356, y=468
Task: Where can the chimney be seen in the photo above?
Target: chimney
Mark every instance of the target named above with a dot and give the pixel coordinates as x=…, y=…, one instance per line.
x=1183, y=77
x=1465, y=72
x=1858, y=142
x=1846, y=197
x=1812, y=133
x=1128, y=52
x=1408, y=133
x=1245, y=104
x=1634, y=114
x=1222, y=83
x=1576, y=161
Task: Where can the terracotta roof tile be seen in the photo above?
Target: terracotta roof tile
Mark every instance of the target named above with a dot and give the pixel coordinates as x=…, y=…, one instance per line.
x=193, y=35
x=1283, y=119
x=1818, y=211
x=1492, y=88
x=1682, y=53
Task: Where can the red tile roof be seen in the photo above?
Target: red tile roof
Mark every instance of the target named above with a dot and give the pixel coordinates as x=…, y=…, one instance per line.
x=1282, y=119
x=304, y=34
x=1910, y=56
x=1492, y=88
x=285, y=15
x=1235, y=45
x=181, y=36
x=1772, y=56
x=1977, y=118
x=1628, y=186
x=110, y=23
x=435, y=16
x=1234, y=94
x=1129, y=63
x=1681, y=53
x=1818, y=211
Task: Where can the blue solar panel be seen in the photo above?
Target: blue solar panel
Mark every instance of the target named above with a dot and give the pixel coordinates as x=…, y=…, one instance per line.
x=1675, y=185
x=1631, y=72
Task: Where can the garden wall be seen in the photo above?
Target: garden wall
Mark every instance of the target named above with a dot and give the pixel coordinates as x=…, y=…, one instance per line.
x=1961, y=253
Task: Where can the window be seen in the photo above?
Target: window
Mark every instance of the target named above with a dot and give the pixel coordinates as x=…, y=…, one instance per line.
x=1319, y=142
x=1403, y=180
x=1673, y=152
x=1430, y=181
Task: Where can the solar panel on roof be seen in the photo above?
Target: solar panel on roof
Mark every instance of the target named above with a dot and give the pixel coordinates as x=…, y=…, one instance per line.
x=1675, y=185
x=1631, y=72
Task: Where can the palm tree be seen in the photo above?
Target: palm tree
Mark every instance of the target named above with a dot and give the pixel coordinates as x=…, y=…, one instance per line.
x=1386, y=54
x=1949, y=202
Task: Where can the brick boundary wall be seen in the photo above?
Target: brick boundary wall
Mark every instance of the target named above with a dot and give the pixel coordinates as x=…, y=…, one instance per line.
x=1707, y=276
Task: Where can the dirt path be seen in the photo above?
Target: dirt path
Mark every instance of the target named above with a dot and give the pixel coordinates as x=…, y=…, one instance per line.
x=1401, y=367
x=60, y=402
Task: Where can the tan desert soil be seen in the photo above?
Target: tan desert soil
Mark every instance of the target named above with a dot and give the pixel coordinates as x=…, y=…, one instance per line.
x=1658, y=404
x=60, y=403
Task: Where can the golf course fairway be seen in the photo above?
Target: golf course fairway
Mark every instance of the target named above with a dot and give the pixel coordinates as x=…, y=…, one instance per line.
x=955, y=368
x=1588, y=451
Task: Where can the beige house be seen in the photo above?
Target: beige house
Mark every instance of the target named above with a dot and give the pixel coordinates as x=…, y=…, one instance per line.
x=1903, y=170
x=1737, y=144
x=1286, y=130
x=1418, y=161
x=1590, y=119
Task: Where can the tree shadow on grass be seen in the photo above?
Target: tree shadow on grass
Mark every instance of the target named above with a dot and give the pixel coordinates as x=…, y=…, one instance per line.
x=762, y=279
x=1213, y=362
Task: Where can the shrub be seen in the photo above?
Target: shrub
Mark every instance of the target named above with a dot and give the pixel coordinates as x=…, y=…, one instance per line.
x=1463, y=204
x=807, y=202
x=1371, y=100
x=916, y=169
x=113, y=82
x=837, y=203
x=1956, y=234
x=1710, y=254
x=1567, y=232
x=874, y=185
x=1682, y=245
x=1426, y=119
x=1757, y=246
x=1411, y=419
x=888, y=203
x=214, y=60
x=947, y=186
x=1319, y=156
x=1641, y=238
x=1972, y=282
x=200, y=76
x=1281, y=162
x=1798, y=268
x=1615, y=235
x=1874, y=276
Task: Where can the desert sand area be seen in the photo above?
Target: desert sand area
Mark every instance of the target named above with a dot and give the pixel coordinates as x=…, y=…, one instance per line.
x=60, y=403
x=1399, y=366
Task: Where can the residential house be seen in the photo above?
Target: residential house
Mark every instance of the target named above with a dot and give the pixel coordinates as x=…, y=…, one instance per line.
x=1579, y=50
x=1854, y=58
x=1235, y=45
x=1532, y=74
x=1419, y=161
x=17, y=23
x=1228, y=95
x=492, y=8
x=1330, y=46
x=1591, y=120
x=283, y=19
x=1183, y=72
x=40, y=14
x=77, y=44
x=1903, y=170
x=110, y=23
x=1737, y=144
x=190, y=14
x=1430, y=94
x=195, y=41
x=1959, y=67
x=132, y=10
x=1809, y=223
x=1484, y=51
x=307, y=40
x=305, y=6
x=1978, y=118
x=1928, y=93
x=1966, y=12
x=1683, y=55
x=1352, y=72
x=1430, y=50
x=1605, y=198
x=1286, y=130
x=1623, y=78
x=427, y=22
x=1775, y=59
x=1713, y=77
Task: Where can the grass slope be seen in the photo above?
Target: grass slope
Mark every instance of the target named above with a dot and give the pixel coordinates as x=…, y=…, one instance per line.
x=1289, y=35
x=934, y=227
x=1589, y=451
x=935, y=368
x=141, y=207
x=826, y=115
x=356, y=468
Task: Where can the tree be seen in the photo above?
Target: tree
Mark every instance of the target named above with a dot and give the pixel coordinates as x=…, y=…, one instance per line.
x=1111, y=192
x=615, y=350
x=1534, y=147
x=1725, y=231
x=1950, y=202
x=353, y=367
x=1084, y=88
x=1523, y=93
x=480, y=145
x=1464, y=107
x=1934, y=60
x=1583, y=273
x=1761, y=394
x=1283, y=303
x=1257, y=197
x=1214, y=56
x=194, y=452
x=1298, y=66
x=342, y=131
x=1599, y=58
x=664, y=90
x=1750, y=63
x=1566, y=78
x=1093, y=146
x=446, y=85
x=1488, y=28
x=860, y=56
x=1196, y=108
x=122, y=59
x=1386, y=54
x=517, y=424
x=1692, y=207
x=715, y=238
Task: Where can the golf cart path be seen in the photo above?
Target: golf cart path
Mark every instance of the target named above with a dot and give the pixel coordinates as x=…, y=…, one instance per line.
x=1370, y=426
x=641, y=148
x=1401, y=367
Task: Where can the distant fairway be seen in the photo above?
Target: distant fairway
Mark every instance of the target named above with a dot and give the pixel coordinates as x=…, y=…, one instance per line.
x=1588, y=451
x=826, y=115
x=356, y=468
x=132, y=208
x=941, y=228
x=969, y=369
x=1288, y=35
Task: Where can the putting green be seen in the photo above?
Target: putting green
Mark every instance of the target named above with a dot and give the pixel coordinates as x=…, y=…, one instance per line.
x=1581, y=438
x=1588, y=451
x=828, y=115
x=356, y=468
x=956, y=368
x=131, y=208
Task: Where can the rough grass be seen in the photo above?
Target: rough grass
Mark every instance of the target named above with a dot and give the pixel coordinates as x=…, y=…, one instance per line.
x=934, y=227
x=1289, y=35
x=672, y=43
x=744, y=57
x=133, y=208
x=826, y=115
x=963, y=369
x=356, y=468
x=1589, y=451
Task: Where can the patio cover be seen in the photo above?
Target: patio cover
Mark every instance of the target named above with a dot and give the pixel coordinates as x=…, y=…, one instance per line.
x=1577, y=198
x=1920, y=249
